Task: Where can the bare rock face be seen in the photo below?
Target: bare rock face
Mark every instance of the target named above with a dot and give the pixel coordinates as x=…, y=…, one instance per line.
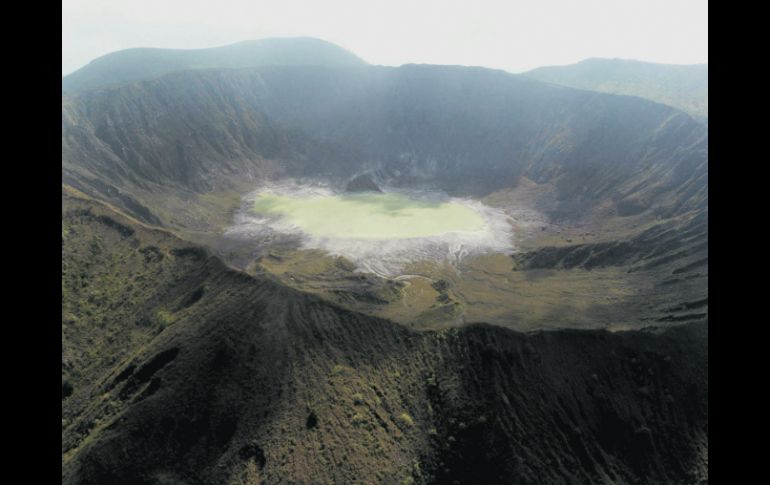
x=362, y=183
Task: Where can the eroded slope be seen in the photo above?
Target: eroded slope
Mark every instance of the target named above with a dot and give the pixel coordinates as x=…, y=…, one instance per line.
x=207, y=375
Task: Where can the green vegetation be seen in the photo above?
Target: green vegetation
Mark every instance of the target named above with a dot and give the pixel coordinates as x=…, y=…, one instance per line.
x=164, y=318
x=358, y=419
x=342, y=370
x=406, y=419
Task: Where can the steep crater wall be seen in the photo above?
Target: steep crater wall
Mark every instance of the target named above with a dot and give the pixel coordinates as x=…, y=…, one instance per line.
x=469, y=131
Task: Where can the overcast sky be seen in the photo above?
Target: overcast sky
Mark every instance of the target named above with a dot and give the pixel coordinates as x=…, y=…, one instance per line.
x=515, y=35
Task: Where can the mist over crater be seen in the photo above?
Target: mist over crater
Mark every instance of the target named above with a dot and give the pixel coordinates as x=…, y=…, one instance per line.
x=379, y=232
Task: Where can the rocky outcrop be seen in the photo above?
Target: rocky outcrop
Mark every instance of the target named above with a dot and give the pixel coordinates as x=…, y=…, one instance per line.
x=362, y=183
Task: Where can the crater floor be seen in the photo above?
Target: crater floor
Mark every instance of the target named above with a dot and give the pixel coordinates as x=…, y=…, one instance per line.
x=370, y=215
x=355, y=250
x=378, y=233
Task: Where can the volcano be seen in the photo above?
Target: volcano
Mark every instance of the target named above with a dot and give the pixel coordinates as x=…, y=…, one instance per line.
x=281, y=264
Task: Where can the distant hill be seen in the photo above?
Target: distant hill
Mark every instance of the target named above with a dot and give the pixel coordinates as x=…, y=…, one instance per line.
x=145, y=63
x=682, y=86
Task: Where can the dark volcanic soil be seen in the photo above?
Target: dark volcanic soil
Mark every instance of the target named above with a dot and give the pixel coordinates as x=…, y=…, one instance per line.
x=218, y=377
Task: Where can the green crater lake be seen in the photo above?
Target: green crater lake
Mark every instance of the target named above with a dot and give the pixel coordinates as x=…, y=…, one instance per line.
x=369, y=215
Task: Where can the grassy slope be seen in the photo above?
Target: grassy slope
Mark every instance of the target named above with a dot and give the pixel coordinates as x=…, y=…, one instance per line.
x=206, y=375
x=684, y=87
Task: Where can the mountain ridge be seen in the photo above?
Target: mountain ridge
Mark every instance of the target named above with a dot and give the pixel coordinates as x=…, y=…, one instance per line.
x=684, y=86
x=140, y=63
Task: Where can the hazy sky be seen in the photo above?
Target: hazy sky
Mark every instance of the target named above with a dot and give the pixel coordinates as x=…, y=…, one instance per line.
x=515, y=35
